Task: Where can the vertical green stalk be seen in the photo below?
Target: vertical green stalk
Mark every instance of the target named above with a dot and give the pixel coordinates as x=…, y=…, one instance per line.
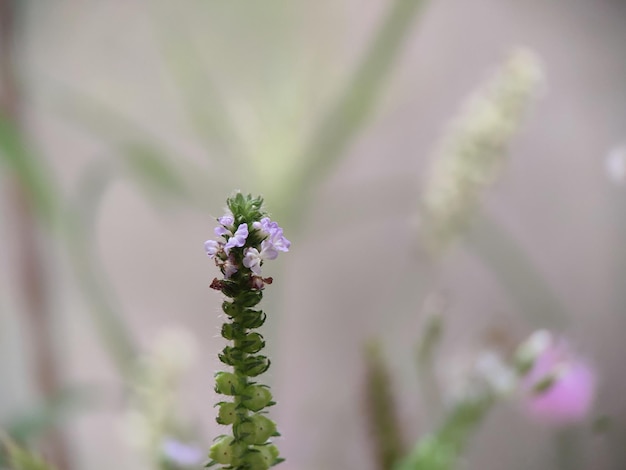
x=381, y=409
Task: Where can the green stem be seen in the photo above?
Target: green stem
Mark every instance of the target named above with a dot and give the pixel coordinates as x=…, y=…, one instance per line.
x=499, y=250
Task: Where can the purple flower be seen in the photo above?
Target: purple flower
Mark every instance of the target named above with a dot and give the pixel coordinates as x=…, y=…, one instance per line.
x=182, y=454
x=211, y=247
x=219, y=231
x=274, y=234
x=278, y=241
x=266, y=225
x=226, y=222
x=559, y=386
x=227, y=219
x=253, y=258
x=238, y=239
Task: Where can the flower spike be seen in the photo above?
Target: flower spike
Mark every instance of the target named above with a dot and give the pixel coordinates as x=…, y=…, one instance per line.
x=247, y=238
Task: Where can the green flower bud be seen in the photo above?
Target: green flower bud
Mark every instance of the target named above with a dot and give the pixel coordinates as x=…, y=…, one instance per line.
x=261, y=457
x=255, y=365
x=250, y=298
x=252, y=318
x=256, y=429
x=268, y=452
x=230, y=289
x=227, y=413
x=227, y=383
x=252, y=343
x=228, y=332
x=256, y=397
x=230, y=355
x=230, y=309
x=226, y=451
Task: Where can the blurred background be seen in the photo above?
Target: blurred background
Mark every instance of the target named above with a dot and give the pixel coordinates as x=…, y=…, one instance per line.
x=126, y=124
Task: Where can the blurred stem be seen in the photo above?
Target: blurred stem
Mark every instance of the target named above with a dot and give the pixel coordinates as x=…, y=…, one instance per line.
x=511, y=266
x=443, y=449
x=427, y=347
x=115, y=334
x=354, y=105
x=30, y=266
x=381, y=410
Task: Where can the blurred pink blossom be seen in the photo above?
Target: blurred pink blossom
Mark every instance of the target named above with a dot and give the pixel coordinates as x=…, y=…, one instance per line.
x=560, y=386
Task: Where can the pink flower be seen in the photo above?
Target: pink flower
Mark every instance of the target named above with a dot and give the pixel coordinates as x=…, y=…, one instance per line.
x=559, y=386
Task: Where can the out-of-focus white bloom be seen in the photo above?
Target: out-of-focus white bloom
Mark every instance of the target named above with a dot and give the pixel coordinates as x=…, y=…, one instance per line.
x=175, y=348
x=498, y=375
x=470, y=157
x=615, y=165
x=135, y=430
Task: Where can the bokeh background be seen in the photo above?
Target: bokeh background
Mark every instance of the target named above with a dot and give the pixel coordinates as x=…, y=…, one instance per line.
x=126, y=123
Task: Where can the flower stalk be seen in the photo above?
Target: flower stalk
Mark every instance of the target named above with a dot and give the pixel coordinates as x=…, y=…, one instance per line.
x=246, y=239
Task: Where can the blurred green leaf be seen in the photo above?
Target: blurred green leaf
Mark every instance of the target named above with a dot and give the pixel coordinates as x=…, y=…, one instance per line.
x=29, y=168
x=349, y=112
x=55, y=410
x=381, y=408
x=18, y=458
x=151, y=168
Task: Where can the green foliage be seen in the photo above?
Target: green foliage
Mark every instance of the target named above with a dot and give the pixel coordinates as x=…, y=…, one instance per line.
x=442, y=449
x=18, y=458
x=29, y=169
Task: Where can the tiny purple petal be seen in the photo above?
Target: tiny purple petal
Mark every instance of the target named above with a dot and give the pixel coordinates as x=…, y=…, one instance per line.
x=279, y=241
x=227, y=219
x=219, y=231
x=182, y=454
x=268, y=250
x=266, y=225
x=211, y=247
x=238, y=239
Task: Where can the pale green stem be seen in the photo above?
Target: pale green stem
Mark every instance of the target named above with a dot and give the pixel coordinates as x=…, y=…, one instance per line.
x=512, y=267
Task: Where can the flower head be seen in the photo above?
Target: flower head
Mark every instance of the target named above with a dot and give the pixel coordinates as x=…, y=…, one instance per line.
x=265, y=242
x=559, y=386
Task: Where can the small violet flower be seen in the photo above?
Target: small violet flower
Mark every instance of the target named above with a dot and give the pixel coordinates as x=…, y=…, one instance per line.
x=211, y=247
x=182, y=454
x=238, y=239
x=226, y=220
x=559, y=386
x=274, y=234
x=252, y=257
